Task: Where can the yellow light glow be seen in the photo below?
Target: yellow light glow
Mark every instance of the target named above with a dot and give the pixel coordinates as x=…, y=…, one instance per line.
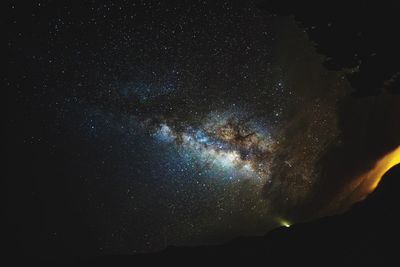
x=374, y=176
x=283, y=222
x=366, y=183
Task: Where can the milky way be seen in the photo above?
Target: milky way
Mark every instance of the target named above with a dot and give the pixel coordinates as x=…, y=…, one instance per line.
x=215, y=146
x=186, y=124
x=224, y=144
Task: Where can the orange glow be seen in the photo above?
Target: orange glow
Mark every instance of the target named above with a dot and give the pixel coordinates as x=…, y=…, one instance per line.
x=374, y=176
x=359, y=188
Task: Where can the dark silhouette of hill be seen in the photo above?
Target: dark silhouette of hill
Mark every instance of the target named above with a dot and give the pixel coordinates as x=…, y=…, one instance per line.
x=357, y=36
x=366, y=235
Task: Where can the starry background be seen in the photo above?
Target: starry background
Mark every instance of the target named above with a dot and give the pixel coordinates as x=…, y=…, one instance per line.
x=141, y=124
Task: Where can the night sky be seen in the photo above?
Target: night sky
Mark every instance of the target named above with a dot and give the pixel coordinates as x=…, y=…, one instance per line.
x=144, y=124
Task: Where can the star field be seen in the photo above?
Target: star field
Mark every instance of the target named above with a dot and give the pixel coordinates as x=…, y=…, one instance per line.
x=186, y=123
